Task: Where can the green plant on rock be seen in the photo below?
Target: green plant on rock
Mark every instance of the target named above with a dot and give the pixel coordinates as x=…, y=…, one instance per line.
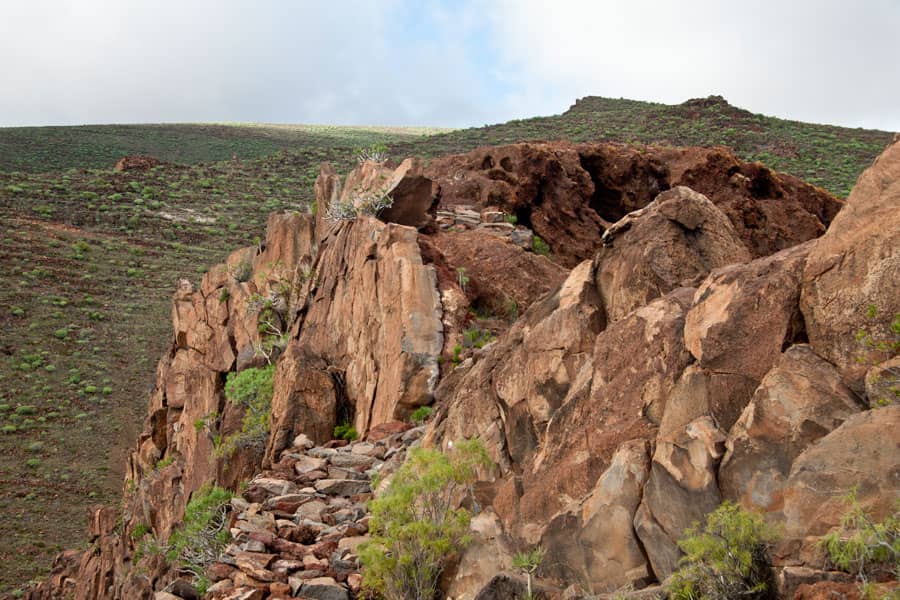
x=345, y=431
x=253, y=389
x=876, y=345
x=421, y=414
x=528, y=562
x=415, y=528
x=203, y=535
x=477, y=338
x=726, y=559
x=862, y=546
x=539, y=246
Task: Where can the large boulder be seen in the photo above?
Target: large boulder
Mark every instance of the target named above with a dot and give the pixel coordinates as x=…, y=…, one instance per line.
x=375, y=319
x=855, y=266
x=672, y=242
x=863, y=454
x=799, y=401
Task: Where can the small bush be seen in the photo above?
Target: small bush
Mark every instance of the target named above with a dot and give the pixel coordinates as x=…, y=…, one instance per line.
x=252, y=388
x=727, y=559
x=345, y=431
x=203, y=535
x=420, y=414
x=414, y=527
x=363, y=204
x=862, y=546
x=539, y=246
x=242, y=272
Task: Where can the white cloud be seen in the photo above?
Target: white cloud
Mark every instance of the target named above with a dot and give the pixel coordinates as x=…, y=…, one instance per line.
x=439, y=62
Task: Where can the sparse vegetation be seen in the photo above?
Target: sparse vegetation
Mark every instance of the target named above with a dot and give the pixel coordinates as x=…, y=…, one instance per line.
x=862, y=546
x=345, y=431
x=421, y=414
x=726, y=559
x=251, y=388
x=528, y=562
x=203, y=534
x=415, y=528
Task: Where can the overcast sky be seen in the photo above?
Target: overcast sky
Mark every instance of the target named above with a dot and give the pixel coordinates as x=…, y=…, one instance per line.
x=453, y=64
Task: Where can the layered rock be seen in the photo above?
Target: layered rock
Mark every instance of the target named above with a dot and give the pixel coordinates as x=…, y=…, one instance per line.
x=851, y=281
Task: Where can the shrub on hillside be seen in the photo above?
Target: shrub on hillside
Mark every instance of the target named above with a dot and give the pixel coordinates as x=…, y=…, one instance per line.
x=415, y=528
x=726, y=559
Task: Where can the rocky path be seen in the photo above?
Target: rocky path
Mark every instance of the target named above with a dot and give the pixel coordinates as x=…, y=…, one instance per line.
x=296, y=528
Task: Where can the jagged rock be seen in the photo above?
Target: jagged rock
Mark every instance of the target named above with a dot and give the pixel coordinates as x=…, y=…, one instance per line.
x=800, y=400
x=387, y=351
x=883, y=383
x=680, y=490
x=351, y=460
x=489, y=553
x=723, y=329
x=501, y=277
x=605, y=553
x=855, y=265
x=672, y=242
x=862, y=453
x=568, y=194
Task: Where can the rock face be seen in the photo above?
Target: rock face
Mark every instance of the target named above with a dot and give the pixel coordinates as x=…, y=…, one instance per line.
x=672, y=242
x=682, y=344
x=855, y=266
x=569, y=194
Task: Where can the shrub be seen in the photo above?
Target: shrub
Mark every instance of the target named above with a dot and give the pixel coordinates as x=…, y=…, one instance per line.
x=414, y=527
x=376, y=152
x=727, y=559
x=539, y=246
x=253, y=389
x=528, y=563
x=363, y=204
x=345, y=431
x=203, y=535
x=420, y=414
x=863, y=547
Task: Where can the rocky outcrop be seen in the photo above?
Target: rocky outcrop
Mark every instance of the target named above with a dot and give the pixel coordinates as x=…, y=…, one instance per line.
x=655, y=364
x=674, y=241
x=136, y=163
x=569, y=194
x=800, y=400
x=851, y=281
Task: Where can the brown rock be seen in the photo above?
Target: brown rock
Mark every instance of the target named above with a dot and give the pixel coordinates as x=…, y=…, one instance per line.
x=489, y=553
x=136, y=163
x=672, y=242
x=387, y=351
x=799, y=401
x=855, y=265
x=883, y=383
x=864, y=452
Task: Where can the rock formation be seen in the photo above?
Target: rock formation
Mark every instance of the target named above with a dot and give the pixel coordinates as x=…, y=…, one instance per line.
x=689, y=339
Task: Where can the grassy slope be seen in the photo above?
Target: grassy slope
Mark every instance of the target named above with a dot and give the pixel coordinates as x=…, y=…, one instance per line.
x=92, y=258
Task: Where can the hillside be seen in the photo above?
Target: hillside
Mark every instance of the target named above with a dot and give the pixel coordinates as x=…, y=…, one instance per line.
x=825, y=155
x=93, y=257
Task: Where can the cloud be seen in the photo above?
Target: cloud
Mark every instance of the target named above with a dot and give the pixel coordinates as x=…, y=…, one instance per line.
x=438, y=62
x=815, y=60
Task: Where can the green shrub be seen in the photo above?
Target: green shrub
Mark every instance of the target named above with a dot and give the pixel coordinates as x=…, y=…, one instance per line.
x=420, y=414
x=862, y=546
x=539, y=246
x=203, y=534
x=727, y=559
x=253, y=389
x=528, y=562
x=345, y=431
x=414, y=527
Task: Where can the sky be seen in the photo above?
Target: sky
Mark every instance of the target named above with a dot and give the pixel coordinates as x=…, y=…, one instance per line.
x=440, y=63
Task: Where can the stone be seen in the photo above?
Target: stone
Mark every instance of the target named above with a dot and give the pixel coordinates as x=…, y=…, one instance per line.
x=862, y=453
x=342, y=487
x=883, y=383
x=351, y=460
x=800, y=400
x=320, y=588
x=303, y=442
x=854, y=266
x=672, y=242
